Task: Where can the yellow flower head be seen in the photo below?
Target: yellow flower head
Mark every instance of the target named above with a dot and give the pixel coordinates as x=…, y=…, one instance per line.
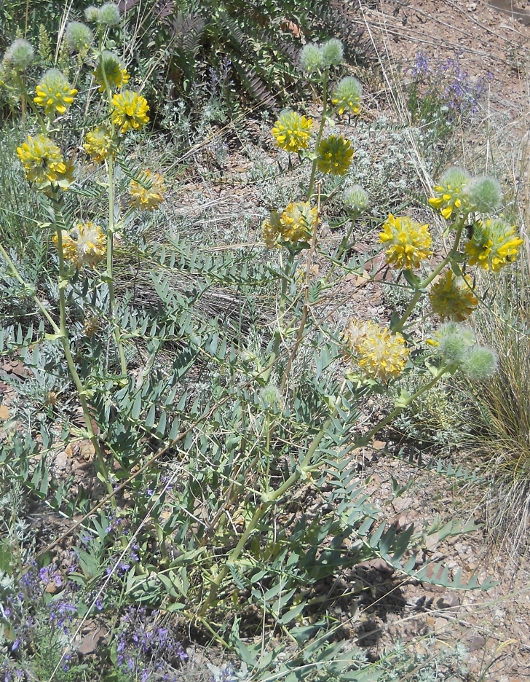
x=129, y=110
x=84, y=244
x=98, y=144
x=334, y=155
x=379, y=353
x=452, y=298
x=450, y=193
x=54, y=92
x=42, y=160
x=63, y=180
x=347, y=96
x=494, y=244
x=408, y=242
x=292, y=131
x=298, y=221
x=149, y=193
x=271, y=230
x=110, y=68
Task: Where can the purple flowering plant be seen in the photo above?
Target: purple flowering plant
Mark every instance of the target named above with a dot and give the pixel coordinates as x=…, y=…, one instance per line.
x=442, y=91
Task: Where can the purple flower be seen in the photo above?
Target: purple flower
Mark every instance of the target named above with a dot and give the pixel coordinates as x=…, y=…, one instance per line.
x=15, y=645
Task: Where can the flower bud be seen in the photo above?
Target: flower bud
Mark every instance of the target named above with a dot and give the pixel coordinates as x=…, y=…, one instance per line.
x=311, y=58
x=78, y=36
x=356, y=198
x=271, y=396
x=332, y=52
x=19, y=54
x=347, y=95
x=109, y=14
x=454, y=341
x=479, y=363
x=451, y=193
x=110, y=72
x=485, y=194
x=92, y=14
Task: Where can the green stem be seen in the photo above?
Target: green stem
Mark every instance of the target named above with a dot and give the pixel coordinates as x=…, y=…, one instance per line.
x=63, y=335
x=420, y=288
x=108, y=274
x=268, y=499
x=25, y=96
x=368, y=437
x=305, y=310
x=320, y=131
x=342, y=247
x=281, y=309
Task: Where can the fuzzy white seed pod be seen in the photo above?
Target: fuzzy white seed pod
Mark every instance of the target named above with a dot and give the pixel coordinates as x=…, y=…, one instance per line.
x=485, y=194
x=109, y=14
x=78, y=36
x=91, y=14
x=19, y=54
x=479, y=363
x=332, y=52
x=311, y=59
x=454, y=341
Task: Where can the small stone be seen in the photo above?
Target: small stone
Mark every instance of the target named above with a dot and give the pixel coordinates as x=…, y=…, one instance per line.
x=476, y=642
x=447, y=601
x=376, y=565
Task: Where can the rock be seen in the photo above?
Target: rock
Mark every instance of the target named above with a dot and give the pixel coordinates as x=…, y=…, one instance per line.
x=91, y=640
x=476, y=642
x=60, y=461
x=402, y=504
x=447, y=601
x=376, y=565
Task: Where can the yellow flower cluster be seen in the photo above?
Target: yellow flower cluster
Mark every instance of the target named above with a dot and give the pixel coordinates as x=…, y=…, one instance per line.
x=129, y=111
x=334, y=155
x=98, y=144
x=84, y=244
x=110, y=69
x=452, y=298
x=295, y=224
x=450, y=193
x=494, y=244
x=42, y=160
x=271, y=230
x=379, y=353
x=54, y=92
x=292, y=131
x=147, y=194
x=347, y=96
x=408, y=242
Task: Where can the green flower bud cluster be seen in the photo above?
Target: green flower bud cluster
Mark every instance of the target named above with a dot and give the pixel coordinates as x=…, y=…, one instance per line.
x=78, y=36
x=106, y=15
x=271, y=396
x=457, y=193
x=314, y=58
x=355, y=198
x=19, y=55
x=458, y=345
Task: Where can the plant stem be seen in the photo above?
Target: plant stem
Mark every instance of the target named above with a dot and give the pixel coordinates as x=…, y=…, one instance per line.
x=26, y=98
x=63, y=335
x=108, y=274
x=420, y=288
x=320, y=131
x=281, y=308
x=368, y=437
x=305, y=310
x=268, y=499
